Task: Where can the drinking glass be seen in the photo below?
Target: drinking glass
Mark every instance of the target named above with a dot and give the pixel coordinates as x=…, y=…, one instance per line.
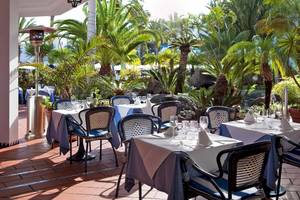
x=173, y=122
x=143, y=99
x=134, y=97
x=203, y=122
x=89, y=101
x=194, y=125
x=149, y=96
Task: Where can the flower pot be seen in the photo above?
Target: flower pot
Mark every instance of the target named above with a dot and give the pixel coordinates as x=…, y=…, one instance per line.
x=295, y=114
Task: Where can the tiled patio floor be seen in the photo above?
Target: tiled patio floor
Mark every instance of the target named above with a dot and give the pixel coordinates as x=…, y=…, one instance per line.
x=32, y=170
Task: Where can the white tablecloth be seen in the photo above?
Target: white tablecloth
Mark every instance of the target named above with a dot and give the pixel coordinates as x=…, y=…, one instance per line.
x=56, y=119
x=250, y=133
x=155, y=149
x=123, y=109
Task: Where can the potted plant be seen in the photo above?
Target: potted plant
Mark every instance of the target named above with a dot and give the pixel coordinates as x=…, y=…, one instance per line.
x=48, y=108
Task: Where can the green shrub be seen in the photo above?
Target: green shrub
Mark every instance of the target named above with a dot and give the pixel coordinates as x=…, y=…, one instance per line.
x=293, y=90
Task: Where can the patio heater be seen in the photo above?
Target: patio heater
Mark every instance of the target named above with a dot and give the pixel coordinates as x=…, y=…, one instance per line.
x=35, y=116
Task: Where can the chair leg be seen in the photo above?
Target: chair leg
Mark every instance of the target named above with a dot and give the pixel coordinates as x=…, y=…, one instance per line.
x=100, y=156
x=115, y=154
x=85, y=158
x=90, y=150
x=70, y=141
x=119, y=181
x=279, y=180
x=140, y=190
x=126, y=149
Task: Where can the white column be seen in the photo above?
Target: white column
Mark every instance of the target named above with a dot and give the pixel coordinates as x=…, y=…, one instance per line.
x=9, y=20
x=91, y=19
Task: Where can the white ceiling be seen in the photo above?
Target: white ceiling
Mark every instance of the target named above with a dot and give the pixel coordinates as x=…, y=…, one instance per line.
x=32, y=8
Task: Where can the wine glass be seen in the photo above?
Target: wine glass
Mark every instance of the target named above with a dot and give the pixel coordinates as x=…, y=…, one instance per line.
x=173, y=122
x=149, y=96
x=89, y=101
x=143, y=99
x=194, y=125
x=133, y=95
x=203, y=122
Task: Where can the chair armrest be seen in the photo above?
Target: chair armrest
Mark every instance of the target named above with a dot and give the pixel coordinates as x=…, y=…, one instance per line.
x=200, y=170
x=158, y=120
x=206, y=175
x=290, y=141
x=74, y=123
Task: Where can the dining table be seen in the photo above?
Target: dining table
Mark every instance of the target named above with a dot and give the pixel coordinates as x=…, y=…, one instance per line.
x=57, y=128
x=58, y=131
x=155, y=160
x=124, y=110
x=263, y=129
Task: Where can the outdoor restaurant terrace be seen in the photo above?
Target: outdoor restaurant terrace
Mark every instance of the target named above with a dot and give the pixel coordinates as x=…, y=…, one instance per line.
x=114, y=100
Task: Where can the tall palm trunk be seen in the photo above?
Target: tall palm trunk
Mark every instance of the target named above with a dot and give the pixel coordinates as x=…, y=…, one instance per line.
x=184, y=53
x=52, y=20
x=91, y=19
x=220, y=90
x=268, y=78
x=105, y=70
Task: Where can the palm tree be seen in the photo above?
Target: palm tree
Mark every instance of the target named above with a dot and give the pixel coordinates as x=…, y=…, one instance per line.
x=183, y=38
x=91, y=19
x=122, y=27
x=166, y=77
x=256, y=54
x=23, y=38
x=72, y=30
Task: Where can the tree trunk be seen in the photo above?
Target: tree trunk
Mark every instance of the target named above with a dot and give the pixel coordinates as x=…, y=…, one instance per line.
x=91, y=19
x=171, y=63
x=267, y=75
x=268, y=90
x=52, y=20
x=105, y=70
x=184, y=52
x=220, y=90
x=19, y=53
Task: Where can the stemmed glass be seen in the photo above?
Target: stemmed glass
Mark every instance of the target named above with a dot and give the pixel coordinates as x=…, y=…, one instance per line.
x=89, y=101
x=149, y=96
x=173, y=122
x=203, y=122
x=134, y=96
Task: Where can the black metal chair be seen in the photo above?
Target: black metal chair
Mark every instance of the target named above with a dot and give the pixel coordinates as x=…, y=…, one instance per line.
x=97, y=127
x=164, y=111
x=121, y=99
x=130, y=127
x=291, y=157
x=242, y=175
x=218, y=115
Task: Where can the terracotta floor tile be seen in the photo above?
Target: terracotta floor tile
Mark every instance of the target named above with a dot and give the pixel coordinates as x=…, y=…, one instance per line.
x=15, y=191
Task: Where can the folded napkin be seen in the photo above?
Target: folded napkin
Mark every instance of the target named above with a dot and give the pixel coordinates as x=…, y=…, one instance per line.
x=285, y=125
x=249, y=118
x=203, y=138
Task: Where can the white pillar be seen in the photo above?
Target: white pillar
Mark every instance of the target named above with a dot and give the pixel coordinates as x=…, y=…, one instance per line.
x=91, y=19
x=9, y=20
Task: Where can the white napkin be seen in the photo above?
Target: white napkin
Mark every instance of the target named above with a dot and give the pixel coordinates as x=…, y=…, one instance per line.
x=203, y=138
x=249, y=118
x=285, y=125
